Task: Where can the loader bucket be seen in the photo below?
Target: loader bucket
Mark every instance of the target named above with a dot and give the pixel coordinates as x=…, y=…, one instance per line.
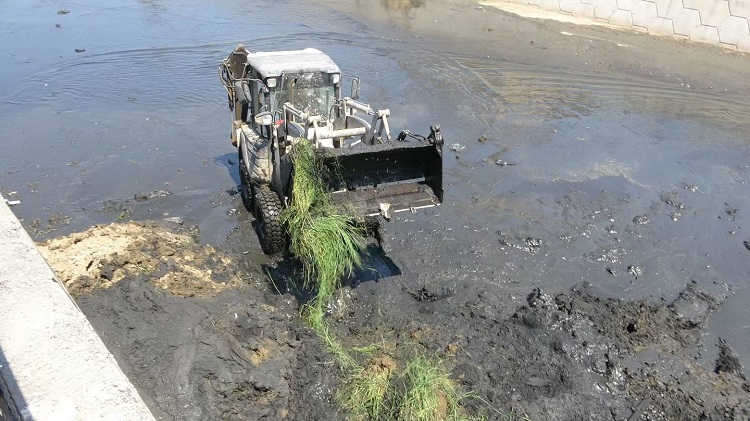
x=387, y=178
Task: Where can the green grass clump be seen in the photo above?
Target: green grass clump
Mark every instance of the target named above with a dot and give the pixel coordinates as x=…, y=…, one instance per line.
x=368, y=389
x=325, y=240
x=423, y=391
x=430, y=394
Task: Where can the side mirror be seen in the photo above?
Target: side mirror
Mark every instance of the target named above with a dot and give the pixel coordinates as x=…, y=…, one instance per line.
x=355, y=88
x=263, y=118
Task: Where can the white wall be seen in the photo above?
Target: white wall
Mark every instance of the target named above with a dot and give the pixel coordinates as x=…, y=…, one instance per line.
x=723, y=22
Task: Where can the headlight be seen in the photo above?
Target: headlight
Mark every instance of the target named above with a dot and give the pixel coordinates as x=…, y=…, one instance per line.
x=271, y=82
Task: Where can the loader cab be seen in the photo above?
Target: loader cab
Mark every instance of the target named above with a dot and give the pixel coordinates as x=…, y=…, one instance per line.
x=312, y=92
x=308, y=79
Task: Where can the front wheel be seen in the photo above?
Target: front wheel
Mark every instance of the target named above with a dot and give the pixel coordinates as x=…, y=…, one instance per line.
x=268, y=220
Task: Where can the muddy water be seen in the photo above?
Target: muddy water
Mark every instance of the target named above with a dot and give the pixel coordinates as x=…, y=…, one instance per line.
x=591, y=155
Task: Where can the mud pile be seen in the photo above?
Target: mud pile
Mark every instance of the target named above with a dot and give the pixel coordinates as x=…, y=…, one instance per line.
x=104, y=255
x=197, y=339
x=573, y=356
x=200, y=340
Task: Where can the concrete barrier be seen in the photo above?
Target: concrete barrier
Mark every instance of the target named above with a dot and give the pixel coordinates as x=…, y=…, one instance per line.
x=53, y=365
x=719, y=22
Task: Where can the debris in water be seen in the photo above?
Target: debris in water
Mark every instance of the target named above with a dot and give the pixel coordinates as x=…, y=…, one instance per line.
x=530, y=244
x=57, y=25
x=609, y=255
x=676, y=216
x=534, y=242
x=692, y=187
x=142, y=197
x=18, y=202
x=457, y=147
x=502, y=163
x=176, y=219
x=80, y=50
x=482, y=139
x=730, y=211
x=635, y=270
x=425, y=295
x=747, y=244
x=63, y=12
x=672, y=199
x=641, y=220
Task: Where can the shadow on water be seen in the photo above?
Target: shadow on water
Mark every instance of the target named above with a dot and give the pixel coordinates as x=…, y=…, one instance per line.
x=287, y=276
x=229, y=160
x=11, y=398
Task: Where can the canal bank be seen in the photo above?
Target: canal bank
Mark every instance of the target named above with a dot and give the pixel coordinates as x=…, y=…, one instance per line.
x=53, y=366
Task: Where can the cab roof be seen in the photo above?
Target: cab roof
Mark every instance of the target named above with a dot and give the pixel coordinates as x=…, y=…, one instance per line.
x=272, y=64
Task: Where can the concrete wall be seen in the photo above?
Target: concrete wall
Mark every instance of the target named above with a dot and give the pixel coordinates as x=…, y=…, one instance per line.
x=53, y=366
x=721, y=22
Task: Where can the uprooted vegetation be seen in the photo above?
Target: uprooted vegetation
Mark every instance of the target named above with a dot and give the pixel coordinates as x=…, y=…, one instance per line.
x=330, y=243
x=326, y=240
x=422, y=391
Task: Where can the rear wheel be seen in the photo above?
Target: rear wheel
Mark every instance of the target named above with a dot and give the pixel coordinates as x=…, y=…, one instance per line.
x=268, y=220
x=246, y=191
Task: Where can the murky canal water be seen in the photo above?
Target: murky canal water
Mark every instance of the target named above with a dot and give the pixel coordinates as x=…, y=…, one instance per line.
x=574, y=137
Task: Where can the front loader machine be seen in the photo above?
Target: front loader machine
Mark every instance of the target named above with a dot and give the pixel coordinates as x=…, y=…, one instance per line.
x=279, y=98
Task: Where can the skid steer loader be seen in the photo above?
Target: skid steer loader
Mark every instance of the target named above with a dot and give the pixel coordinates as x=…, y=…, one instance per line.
x=278, y=98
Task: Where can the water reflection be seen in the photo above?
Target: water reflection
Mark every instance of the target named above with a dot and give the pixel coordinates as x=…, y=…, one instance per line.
x=405, y=5
x=154, y=10
x=556, y=93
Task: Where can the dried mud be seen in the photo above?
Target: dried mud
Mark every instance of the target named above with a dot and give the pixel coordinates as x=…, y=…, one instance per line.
x=104, y=255
x=212, y=342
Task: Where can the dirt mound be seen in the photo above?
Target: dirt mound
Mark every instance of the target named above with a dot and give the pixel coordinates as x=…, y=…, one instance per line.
x=104, y=255
x=196, y=341
x=566, y=357
x=202, y=345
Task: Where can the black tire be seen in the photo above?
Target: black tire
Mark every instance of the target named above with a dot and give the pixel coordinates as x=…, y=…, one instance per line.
x=267, y=216
x=246, y=192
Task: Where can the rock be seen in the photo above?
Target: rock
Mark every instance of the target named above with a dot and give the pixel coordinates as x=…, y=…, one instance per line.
x=176, y=219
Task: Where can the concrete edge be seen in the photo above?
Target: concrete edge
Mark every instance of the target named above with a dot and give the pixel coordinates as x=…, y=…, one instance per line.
x=53, y=365
x=526, y=9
